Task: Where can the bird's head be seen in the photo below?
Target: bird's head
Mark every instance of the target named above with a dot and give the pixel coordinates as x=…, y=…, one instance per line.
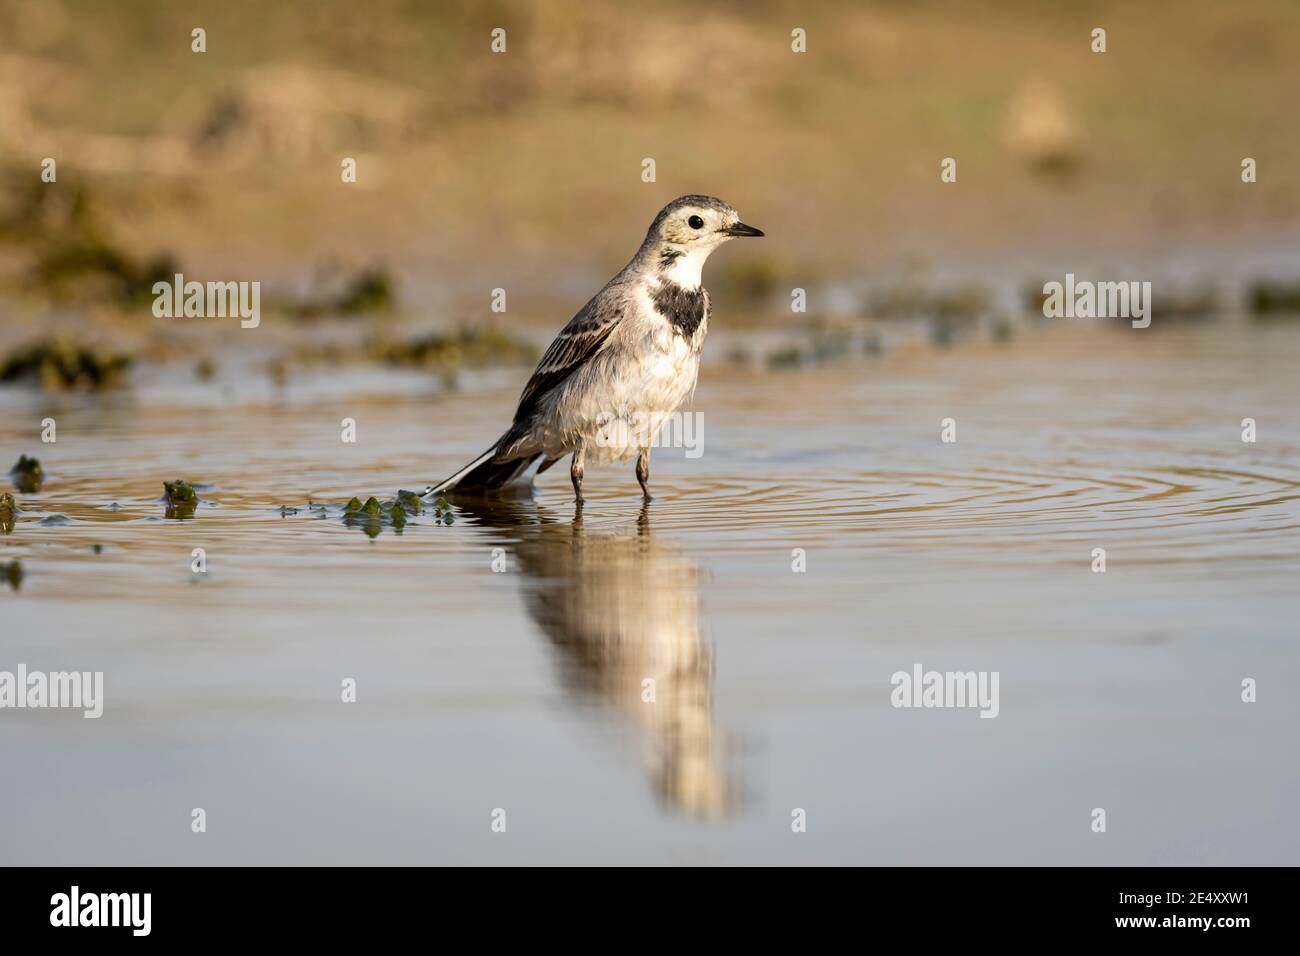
x=689, y=228
x=696, y=222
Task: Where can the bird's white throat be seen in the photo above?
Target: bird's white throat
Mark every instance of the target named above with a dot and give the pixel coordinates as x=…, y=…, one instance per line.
x=687, y=269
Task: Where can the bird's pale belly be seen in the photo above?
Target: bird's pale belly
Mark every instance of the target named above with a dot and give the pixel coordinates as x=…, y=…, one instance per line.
x=621, y=404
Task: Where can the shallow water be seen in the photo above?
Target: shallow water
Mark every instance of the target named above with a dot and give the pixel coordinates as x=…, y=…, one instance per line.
x=522, y=690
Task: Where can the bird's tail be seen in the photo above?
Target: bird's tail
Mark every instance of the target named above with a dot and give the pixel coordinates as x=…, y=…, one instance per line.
x=487, y=473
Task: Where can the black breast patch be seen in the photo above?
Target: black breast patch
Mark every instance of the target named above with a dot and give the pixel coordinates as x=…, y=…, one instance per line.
x=684, y=308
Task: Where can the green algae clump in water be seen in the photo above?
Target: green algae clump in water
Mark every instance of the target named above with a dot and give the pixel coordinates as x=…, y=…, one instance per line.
x=180, y=498
x=27, y=475
x=374, y=515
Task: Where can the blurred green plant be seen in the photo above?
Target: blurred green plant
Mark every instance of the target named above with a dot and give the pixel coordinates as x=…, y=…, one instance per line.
x=911, y=300
x=1269, y=297
x=60, y=362
x=71, y=254
x=367, y=291
x=466, y=345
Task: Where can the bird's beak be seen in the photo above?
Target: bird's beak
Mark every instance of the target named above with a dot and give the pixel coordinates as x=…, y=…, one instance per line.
x=740, y=229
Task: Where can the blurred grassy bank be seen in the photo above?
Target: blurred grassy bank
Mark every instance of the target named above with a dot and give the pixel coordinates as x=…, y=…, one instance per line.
x=522, y=170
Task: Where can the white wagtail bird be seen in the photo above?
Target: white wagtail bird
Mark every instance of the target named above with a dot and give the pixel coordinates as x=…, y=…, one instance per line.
x=622, y=365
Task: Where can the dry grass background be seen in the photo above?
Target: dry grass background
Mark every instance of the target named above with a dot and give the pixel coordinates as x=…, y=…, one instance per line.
x=524, y=169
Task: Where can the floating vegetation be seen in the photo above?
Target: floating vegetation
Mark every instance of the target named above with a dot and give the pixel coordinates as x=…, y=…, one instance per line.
x=373, y=515
x=414, y=503
x=12, y=572
x=180, y=498
x=483, y=344
x=8, y=512
x=180, y=492
x=372, y=508
x=60, y=362
x=1268, y=298
x=27, y=475
x=442, y=512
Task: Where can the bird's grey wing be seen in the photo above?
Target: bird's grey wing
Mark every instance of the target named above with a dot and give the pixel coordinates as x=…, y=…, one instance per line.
x=577, y=342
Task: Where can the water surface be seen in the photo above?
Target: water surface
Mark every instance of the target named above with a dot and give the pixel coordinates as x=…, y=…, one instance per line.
x=523, y=689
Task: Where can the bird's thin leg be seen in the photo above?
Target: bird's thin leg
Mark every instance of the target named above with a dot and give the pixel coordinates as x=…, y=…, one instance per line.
x=575, y=474
x=643, y=472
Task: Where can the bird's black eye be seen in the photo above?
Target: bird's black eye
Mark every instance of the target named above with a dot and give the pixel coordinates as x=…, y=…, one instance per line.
x=695, y=222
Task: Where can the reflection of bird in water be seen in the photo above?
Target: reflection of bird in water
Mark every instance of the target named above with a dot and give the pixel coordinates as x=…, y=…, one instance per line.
x=622, y=610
